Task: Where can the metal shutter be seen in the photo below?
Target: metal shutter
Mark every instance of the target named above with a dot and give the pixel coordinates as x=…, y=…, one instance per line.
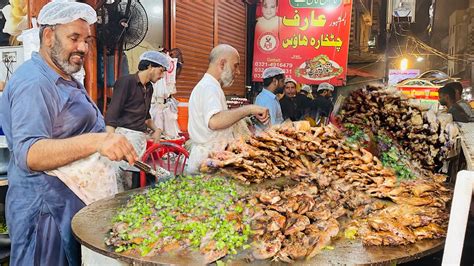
x=194, y=35
x=232, y=29
x=193, y=31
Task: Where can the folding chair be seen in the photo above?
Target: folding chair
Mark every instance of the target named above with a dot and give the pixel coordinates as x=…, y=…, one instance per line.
x=169, y=156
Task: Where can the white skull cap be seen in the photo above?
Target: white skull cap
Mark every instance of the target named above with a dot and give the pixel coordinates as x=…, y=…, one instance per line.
x=325, y=86
x=271, y=72
x=156, y=57
x=291, y=80
x=306, y=88
x=62, y=12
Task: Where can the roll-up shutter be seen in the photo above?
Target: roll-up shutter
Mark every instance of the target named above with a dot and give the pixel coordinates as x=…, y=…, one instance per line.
x=194, y=35
x=232, y=29
x=199, y=26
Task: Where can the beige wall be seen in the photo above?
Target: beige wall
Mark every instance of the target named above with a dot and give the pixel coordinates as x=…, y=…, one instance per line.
x=457, y=40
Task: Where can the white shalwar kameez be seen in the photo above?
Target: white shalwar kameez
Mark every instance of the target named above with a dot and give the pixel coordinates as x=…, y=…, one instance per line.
x=207, y=99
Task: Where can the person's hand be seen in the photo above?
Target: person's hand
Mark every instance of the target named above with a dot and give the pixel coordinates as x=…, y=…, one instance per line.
x=156, y=136
x=116, y=147
x=261, y=113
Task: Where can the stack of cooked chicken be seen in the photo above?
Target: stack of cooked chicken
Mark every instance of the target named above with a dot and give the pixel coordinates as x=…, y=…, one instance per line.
x=421, y=133
x=335, y=188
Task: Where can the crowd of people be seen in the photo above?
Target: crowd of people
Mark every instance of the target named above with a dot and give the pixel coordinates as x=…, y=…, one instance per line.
x=283, y=100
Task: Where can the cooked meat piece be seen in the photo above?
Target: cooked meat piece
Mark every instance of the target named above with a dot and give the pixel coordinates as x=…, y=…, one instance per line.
x=430, y=231
x=383, y=238
x=267, y=247
x=296, y=223
x=415, y=201
x=269, y=197
x=387, y=224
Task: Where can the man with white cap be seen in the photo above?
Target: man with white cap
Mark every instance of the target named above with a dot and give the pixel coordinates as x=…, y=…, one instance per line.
x=49, y=122
x=293, y=105
x=322, y=104
x=273, y=79
x=210, y=123
x=129, y=110
x=305, y=90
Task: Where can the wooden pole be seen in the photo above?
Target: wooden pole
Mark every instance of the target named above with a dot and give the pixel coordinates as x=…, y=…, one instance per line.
x=34, y=7
x=172, y=33
x=106, y=89
x=90, y=66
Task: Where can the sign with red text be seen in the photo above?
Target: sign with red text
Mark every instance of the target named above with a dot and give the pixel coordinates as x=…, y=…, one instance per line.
x=309, y=39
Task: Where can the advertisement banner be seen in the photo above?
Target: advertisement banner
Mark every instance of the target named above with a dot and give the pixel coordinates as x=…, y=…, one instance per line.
x=309, y=39
x=397, y=75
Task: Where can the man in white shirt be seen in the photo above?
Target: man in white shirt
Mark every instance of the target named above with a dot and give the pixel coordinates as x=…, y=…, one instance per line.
x=273, y=79
x=210, y=122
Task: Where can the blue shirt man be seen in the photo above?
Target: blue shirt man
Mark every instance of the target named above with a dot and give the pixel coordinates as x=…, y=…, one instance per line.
x=269, y=100
x=273, y=79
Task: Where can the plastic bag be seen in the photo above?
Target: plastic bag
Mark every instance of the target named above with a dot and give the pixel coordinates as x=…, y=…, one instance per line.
x=91, y=179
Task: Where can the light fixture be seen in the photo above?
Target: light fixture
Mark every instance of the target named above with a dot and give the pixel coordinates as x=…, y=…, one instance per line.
x=404, y=64
x=419, y=59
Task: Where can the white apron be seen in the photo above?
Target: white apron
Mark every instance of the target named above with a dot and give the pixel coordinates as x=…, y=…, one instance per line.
x=91, y=179
x=96, y=177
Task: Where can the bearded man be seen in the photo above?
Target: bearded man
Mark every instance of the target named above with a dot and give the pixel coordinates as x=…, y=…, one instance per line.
x=210, y=122
x=50, y=122
x=294, y=106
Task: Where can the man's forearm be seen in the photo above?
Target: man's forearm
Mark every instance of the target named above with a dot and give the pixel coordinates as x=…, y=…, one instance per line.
x=48, y=154
x=225, y=119
x=110, y=129
x=150, y=124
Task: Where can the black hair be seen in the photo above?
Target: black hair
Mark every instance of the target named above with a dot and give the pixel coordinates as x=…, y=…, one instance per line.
x=456, y=85
x=178, y=55
x=268, y=81
x=143, y=65
x=448, y=90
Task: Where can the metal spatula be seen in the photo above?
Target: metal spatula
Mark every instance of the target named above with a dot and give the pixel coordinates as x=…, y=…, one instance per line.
x=259, y=126
x=158, y=173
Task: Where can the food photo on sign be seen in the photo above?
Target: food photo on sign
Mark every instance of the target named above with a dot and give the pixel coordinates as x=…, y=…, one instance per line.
x=307, y=39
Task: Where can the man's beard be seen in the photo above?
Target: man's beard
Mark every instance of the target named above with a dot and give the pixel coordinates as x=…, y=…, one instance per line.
x=279, y=90
x=227, y=76
x=62, y=63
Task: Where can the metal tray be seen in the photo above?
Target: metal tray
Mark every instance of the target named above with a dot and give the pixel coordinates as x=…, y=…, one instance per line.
x=101, y=212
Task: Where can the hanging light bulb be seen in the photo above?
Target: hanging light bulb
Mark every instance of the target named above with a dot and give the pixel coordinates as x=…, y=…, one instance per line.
x=404, y=64
x=419, y=59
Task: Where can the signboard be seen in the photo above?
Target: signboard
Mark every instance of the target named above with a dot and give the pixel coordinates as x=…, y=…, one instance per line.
x=425, y=96
x=309, y=39
x=397, y=75
x=404, y=9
